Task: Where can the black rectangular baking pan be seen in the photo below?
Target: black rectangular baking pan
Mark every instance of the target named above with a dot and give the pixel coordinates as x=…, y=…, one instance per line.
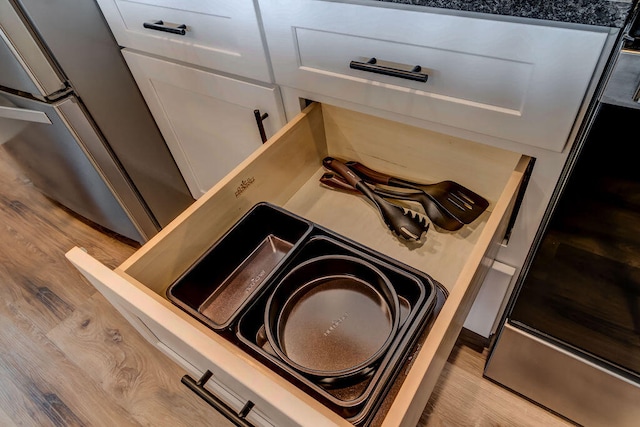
x=223, y=281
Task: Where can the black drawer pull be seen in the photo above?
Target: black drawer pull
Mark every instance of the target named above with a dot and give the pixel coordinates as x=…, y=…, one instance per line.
x=372, y=67
x=161, y=26
x=198, y=388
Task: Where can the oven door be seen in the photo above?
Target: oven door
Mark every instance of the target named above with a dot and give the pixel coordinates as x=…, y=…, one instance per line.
x=571, y=341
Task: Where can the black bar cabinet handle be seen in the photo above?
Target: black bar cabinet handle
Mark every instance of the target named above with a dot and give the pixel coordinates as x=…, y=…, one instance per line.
x=259, y=119
x=237, y=418
x=371, y=66
x=161, y=26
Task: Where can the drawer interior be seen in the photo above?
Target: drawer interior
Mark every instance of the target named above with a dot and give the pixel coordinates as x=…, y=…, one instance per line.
x=235, y=304
x=285, y=172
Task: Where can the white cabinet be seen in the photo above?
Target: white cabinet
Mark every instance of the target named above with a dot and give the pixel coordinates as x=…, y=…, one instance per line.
x=203, y=71
x=285, y=171
x=497, y=93
x=516, y=81
x=206, y=119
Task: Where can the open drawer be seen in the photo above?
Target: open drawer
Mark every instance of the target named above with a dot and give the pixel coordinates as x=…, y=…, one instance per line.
x=285, y=172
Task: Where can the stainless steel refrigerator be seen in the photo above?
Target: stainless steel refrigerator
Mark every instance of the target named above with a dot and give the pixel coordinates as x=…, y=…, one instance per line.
x=72, y=118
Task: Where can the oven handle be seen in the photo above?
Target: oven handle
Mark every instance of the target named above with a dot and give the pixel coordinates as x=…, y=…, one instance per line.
x=237, y=418
x=14, y=113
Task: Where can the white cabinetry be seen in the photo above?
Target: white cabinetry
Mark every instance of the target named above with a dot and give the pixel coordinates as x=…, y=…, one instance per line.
x=516, y=81
x=203, y=71
x=218, y=34
x=498, y=93
x=207, y=119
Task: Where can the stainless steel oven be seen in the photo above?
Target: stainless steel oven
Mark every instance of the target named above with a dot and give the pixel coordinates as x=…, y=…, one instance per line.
x=570, y=340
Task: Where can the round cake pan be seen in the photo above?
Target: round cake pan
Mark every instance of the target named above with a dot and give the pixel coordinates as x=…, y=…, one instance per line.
x=332, y=317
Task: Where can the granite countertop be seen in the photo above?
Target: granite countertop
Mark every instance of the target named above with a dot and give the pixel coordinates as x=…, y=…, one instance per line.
x=608, y=13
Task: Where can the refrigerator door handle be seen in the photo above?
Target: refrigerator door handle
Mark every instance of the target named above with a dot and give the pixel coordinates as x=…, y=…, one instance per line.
x=15, y=113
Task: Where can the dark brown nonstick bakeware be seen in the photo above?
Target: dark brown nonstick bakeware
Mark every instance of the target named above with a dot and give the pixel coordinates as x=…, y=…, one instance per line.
x=420, y=299
x=332, y=317
x=229, y=286
x=224, y=280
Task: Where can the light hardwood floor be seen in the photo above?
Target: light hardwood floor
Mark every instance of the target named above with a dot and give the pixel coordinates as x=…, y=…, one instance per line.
x=67, y=358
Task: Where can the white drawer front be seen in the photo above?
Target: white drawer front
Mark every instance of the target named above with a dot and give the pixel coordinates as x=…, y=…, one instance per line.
x=206, y=119
x=458, y=77
x=513, y=81
x=220, y=35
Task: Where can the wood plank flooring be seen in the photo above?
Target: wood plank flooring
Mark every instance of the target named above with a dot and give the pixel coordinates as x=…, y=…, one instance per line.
x=67, y=358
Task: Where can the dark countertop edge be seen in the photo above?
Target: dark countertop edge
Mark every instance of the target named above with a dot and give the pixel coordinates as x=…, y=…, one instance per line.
x=605, y=13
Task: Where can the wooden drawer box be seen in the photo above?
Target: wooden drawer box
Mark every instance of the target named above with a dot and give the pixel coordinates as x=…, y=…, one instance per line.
x=218, y=34
x=517, y=81
x=285, y=172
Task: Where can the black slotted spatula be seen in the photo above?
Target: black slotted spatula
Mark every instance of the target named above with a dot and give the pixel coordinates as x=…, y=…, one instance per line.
x=455, y=199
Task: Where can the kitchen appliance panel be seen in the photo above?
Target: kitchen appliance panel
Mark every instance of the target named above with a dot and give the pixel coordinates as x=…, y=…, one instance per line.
x=82, y=44
x=68, y=175
x=12, y=72
x=583, y=284
x=623, y=88
x=563, y=381
x=570, y=338
x=108, y=124
x=24, y=65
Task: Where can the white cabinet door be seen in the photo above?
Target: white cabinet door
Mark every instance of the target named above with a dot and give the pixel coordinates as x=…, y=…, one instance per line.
x=207, y=120
x=516, y=81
